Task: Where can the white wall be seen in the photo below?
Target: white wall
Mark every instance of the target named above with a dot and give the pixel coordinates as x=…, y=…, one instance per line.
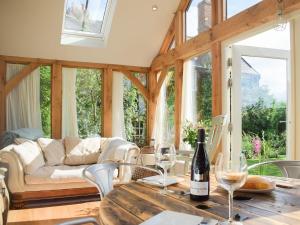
x=32, y=28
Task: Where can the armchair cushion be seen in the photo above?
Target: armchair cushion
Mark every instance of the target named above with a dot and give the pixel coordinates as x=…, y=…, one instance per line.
x=54, y=151
x=82, y=151
x=30, y=155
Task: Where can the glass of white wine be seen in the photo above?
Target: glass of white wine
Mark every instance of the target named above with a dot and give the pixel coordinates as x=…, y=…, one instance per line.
x=231, y=174
x=165, y=157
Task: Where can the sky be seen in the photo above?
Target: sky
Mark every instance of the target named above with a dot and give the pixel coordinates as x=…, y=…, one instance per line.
x=273, y=71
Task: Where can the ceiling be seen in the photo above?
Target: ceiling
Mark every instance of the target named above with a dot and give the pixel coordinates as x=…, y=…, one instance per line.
x=32, y=28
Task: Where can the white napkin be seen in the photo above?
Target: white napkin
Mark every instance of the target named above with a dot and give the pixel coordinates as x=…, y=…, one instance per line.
x=159, y=180
x=175, y=218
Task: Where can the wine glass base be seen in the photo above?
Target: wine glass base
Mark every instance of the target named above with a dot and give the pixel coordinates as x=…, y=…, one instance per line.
x=230, y=223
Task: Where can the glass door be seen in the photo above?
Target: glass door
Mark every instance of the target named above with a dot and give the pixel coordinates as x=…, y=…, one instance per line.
x=260, y=103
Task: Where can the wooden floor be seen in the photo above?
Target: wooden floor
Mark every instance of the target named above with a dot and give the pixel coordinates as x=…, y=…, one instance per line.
x=52, y=215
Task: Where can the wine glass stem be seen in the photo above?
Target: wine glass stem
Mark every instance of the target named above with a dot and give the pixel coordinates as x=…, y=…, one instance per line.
x=230, y=201
x=165, y=179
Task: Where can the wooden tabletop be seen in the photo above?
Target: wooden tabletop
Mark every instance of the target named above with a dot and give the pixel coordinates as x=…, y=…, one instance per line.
x=136, y=202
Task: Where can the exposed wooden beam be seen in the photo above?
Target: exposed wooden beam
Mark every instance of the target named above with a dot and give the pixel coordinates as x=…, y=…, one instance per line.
x=255, y=16
x=183, y=5
x=152, y=82
x=216, y=54
x=26, y=60
x=15, y=81
x=107, y=103
x=160, y=81
x=73, y=64
x=179, y=28
x=168, y=38
x=2, y=97
x=104, y=66
x=216, y=85
x=178, y=100
x=137, y=83
x=56, y=101
x=217, y=11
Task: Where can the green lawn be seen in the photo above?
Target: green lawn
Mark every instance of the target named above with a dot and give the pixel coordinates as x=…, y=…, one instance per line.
x=267, y=170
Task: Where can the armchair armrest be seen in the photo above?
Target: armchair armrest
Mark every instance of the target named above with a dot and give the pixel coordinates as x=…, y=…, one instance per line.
x=15, y=169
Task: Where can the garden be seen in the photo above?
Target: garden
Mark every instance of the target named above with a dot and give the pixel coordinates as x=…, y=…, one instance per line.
x=264, y=135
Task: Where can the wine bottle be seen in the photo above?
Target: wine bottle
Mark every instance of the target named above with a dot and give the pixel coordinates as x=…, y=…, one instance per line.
x=200, y=170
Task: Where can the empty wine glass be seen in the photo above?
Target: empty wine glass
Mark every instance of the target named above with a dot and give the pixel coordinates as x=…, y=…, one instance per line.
x=165, y=157
x=231, y=174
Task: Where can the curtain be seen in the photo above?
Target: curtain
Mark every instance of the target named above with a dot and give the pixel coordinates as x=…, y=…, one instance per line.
x=189, y=95
x=160, y=123
x=23, y=102
x=118, y=122
x=69, y=111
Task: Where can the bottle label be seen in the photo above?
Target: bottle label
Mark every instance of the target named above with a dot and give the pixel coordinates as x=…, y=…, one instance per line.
x=199, y=188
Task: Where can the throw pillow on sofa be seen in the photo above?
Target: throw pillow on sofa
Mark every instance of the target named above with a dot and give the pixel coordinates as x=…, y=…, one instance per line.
x=82, y=151
x=54, y=151
x=30, y=155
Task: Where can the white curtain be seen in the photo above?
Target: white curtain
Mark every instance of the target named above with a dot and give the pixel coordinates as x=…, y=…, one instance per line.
x=118, y=122
x=23, y=102
x=69, y=111
x=189, y=94
x=160, y=124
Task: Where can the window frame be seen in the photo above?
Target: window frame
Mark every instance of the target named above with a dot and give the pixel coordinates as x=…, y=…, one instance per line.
x=90, y=37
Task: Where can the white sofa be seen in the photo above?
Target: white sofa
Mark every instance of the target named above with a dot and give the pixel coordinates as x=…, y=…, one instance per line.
x=31, y=182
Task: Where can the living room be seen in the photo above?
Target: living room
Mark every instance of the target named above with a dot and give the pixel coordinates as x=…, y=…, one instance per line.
x=117, y=83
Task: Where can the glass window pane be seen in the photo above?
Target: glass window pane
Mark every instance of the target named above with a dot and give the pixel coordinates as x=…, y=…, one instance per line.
x=88, y=101
x=169, y=112
x=45, y=99
x=197, y=95
x=135, y=112
x=172, y=45
x=94, y=16
x=142, y=78
x=197, y=17
x=234, y=6
x=85, y=15
x=264, y=107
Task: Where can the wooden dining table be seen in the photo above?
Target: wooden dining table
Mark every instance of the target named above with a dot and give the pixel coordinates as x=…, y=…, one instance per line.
x=133, y=203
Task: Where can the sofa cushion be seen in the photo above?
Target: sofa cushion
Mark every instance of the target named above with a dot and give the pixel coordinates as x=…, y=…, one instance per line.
x=30, y=155
x=56, y=175
x=82, y=151
x=54, y=151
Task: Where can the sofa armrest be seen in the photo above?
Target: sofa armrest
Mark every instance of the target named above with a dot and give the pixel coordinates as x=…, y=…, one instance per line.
x=15, y=169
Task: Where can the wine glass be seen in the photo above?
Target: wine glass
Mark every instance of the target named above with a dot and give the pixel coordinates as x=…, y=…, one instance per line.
x=231, y=174
x=165, y=157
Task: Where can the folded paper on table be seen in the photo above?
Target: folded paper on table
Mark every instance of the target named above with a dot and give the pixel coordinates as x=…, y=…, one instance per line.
x=159, y=180
x=175, y=218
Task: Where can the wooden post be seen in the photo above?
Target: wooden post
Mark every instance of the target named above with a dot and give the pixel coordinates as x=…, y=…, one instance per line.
x=107, y=103
x=2, y=97
x=216, y=79
x=152, y=83
x=216, y=53
x=56, y=101
x=179, y=28
x=178, y=100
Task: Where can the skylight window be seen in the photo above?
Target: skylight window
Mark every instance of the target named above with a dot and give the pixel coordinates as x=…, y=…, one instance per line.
x=87, y=22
